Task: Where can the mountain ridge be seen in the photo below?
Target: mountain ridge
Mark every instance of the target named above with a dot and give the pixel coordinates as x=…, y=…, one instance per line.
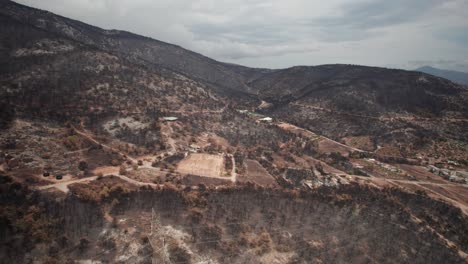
x=454, y=76
x=339, y=88
x=236, y=75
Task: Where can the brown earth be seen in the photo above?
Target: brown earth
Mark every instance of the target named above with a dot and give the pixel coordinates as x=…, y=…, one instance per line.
x=202, y=165
x=257, y=174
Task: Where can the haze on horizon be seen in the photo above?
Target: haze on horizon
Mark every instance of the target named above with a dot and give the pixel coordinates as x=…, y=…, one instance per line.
x=278, y=34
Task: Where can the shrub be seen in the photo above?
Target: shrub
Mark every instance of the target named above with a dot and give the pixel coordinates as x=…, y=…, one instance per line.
x=122, y=170
x=83, y=165
x=83, y=244
x=177, y=253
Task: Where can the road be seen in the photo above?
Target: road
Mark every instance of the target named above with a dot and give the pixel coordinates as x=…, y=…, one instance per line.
x=424, y=182
x=233, y=172
x=419, y=184
x=63, y=186
x=305, y=132
x=169, y=139
x=90, y=138
x=462, y=206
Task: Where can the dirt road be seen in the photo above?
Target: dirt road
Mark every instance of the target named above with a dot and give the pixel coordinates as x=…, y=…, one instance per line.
x=90, y=138
x=233, y=172
x=63, y=186
x=442, y=196
x=308, y=133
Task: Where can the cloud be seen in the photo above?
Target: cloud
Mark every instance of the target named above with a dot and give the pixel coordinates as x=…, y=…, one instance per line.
x=238, y=50
x=458, y=35
x=359, y=20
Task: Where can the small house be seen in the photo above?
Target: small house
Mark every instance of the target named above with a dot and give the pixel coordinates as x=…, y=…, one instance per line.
x=170, y=118
x=462, y=174
x=194, y=148
x=266, y=119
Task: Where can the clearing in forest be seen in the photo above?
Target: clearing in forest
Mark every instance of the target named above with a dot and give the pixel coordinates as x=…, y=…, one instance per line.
x=202, y=165
x=257, y=173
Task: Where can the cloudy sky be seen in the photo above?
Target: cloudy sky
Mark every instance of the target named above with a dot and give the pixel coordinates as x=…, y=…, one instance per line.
x=276, y=34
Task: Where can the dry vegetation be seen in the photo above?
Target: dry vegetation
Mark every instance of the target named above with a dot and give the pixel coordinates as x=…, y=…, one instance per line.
x=360, y=164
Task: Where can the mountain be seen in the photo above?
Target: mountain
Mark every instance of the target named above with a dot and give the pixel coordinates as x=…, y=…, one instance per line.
x=119, y=148
x=454, y=76
x=348, y=102
x=137, y=49
x=70, y=57
x=373, y=90
x=53, y=48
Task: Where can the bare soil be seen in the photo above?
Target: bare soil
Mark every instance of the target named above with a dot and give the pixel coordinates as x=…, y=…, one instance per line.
x=457, y=193
x=257, y=174
x=195, y=180
x=361, y=142
x=421, y=173
x=202, y=165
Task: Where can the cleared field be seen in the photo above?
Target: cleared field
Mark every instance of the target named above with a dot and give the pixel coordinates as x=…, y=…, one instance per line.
x=202, y=165
x=257, y=174
x=328, y=146
x=362, y=142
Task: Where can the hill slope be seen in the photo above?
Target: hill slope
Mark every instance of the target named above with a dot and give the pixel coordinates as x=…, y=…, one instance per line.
x=339, y=101
x=454, y=76
x=411, y=111
x=137, y=49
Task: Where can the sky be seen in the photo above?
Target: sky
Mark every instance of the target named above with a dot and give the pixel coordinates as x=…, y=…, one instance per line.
x=278, y=34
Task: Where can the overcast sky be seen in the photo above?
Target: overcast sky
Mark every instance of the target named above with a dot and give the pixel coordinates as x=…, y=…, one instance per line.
x=277, y=34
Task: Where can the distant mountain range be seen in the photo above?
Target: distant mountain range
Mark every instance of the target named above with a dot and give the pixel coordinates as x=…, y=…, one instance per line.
x=454, y=76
